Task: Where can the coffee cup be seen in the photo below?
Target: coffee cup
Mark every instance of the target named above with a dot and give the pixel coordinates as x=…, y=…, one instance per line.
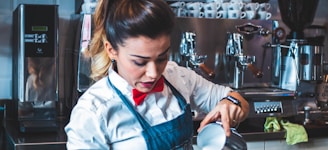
x=177, y=5
x=195, y=13
x=247, y=1
x=264, y=7
x=251, y=6
x=211, y=6
x=223, y=14
x=235, y=6
x=194, y=6
x=250, y=14
x=211, y=14
x=236, y=1
x=264, y=15
x=89, y=7
x=236, y=14
x=224, y=6
x=179, y=12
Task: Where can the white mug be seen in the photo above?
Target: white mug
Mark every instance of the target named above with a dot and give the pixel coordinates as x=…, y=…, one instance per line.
x=179, y=12
x=223, y=14
x=224, y=6
x=264, y=15
x=177, y=4
x=210, y=14
x=264, y=6
x=247, y=1
x=235, y=6
x=211, y=6
x=236, y=14
x=194, y=6
x=250, y=14
x=195, y=13
x=251, y=6
x=89, y=7
x=236, y=1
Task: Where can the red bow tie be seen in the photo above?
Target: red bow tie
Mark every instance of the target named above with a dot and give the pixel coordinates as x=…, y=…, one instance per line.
x=139, y=97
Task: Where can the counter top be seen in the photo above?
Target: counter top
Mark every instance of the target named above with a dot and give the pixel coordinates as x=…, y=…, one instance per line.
x=250, y=129
x=253, y=130
x=14, y=139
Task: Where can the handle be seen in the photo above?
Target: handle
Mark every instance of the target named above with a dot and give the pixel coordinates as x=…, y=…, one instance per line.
x=207, y=70
x=257, y=72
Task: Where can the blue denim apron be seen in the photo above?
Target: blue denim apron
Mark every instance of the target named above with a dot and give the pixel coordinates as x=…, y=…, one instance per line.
x=174, y=134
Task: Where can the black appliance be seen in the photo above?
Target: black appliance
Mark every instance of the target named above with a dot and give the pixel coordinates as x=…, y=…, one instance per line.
x=35, y=66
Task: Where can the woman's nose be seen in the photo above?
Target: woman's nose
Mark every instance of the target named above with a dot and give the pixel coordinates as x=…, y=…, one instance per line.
x=152, y=70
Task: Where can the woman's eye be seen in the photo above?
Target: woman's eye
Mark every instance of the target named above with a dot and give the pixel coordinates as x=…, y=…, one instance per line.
x=140, y=63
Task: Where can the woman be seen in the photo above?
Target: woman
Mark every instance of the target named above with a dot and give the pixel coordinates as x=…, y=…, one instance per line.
x=138, y=42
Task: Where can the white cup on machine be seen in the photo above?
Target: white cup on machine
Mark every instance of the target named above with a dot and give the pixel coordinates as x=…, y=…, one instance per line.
x=177, y=5
x=195, y=13
x=88, y=8
x=264, y=7
x=251, y=6
x=235, y=6
x=236, y=14
x=250, y=14
x=236, y=1
x=211, y=6
x=212, y=14
x=264, y=15
x=222, y=14
x=194, y=5
x=224, y=6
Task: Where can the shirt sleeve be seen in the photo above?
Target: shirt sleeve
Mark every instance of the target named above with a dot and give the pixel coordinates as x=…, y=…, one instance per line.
x=84, y=131
x=202, y=94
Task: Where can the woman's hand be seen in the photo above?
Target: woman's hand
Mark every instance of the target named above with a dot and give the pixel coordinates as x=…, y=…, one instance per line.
x=228, y=113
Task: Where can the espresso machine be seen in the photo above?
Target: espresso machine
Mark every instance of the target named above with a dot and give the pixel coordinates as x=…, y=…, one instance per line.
x=233, y=52
x=35, y=66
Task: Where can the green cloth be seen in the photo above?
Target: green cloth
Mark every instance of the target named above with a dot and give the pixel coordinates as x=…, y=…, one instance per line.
x=295, y=133
x=272, y=123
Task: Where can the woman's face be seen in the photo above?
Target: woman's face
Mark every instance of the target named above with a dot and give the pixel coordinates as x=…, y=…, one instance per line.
x=142, y=60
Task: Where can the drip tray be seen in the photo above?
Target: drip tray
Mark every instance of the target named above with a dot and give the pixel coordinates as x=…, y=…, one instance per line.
x=265, y=91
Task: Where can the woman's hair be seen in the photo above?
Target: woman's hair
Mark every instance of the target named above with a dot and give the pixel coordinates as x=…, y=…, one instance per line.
x=100, y=61
x=133, y=18
x=117, y=20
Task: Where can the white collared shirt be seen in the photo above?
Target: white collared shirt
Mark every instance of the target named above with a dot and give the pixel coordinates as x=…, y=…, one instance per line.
x=100, y=120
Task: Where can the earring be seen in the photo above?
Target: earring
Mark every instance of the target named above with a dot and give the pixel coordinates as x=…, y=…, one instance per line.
x=113, y=61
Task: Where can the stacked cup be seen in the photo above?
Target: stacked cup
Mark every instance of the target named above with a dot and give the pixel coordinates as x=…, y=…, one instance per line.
x=263, y=11
x=89, y=6
x=179, y=9
x=194, y=9
x=211, y=10
x=251, y=10
x=225, y=9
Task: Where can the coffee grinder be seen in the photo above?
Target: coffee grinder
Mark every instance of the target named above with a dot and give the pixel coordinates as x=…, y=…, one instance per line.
x=300, y=62
x=297, y=62
x=35, y=66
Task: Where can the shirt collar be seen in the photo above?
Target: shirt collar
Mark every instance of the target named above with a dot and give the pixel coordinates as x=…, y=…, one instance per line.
x=119, y=82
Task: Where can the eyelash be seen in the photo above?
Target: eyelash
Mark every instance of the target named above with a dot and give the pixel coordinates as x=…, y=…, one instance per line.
x=160, y=60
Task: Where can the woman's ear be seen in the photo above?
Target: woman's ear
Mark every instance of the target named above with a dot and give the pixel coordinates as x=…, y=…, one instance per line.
x=110, y=51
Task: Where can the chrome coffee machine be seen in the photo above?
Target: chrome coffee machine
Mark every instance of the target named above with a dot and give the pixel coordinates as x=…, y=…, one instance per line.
x=35, y=66
x=300, y=61
x=234, y=53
